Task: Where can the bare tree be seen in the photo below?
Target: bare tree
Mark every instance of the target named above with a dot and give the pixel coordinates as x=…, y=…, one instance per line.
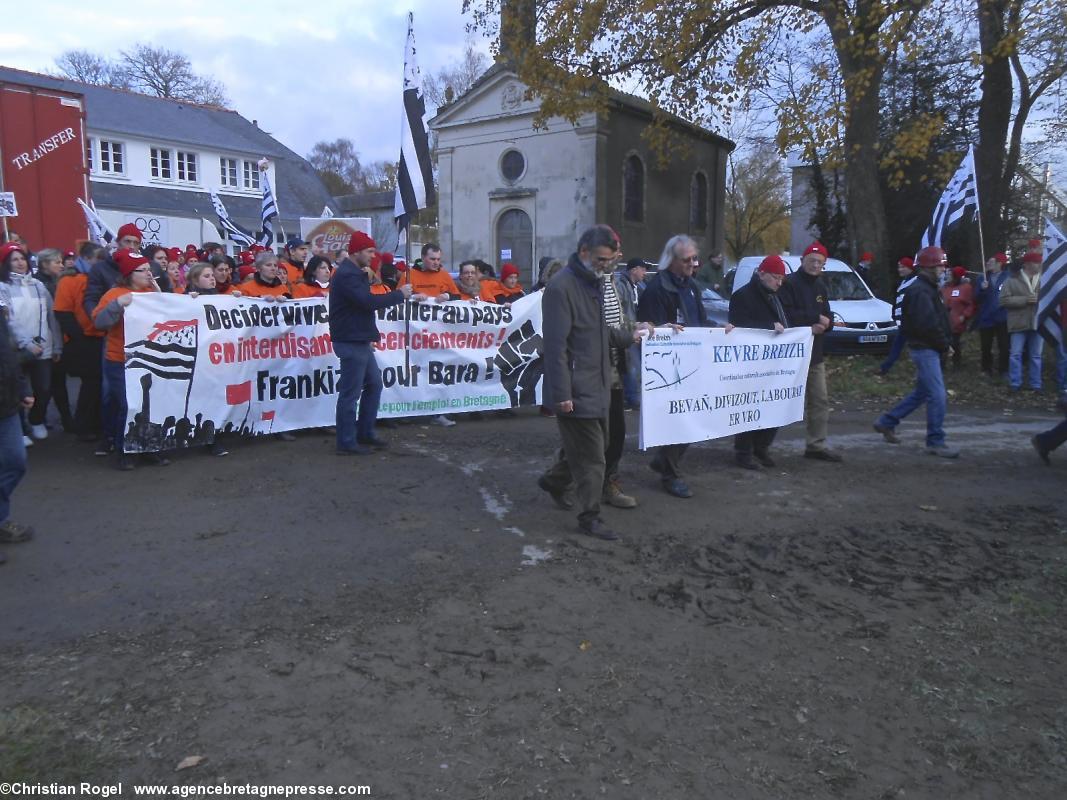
x=757, y=202
x=87, y=67
x=454, y=80
x=380, y=176
x=165, y=73
x=338, y=165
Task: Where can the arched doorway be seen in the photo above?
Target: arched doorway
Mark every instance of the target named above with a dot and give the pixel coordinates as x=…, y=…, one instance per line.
x=514, y=242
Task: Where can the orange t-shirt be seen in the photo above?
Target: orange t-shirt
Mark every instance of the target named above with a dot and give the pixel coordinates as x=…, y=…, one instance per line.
x=431, y=283
x=253, y=288
x=506, y=295
x=294, y=274
x=70, y=296
x=303, y=290
x=115, y=347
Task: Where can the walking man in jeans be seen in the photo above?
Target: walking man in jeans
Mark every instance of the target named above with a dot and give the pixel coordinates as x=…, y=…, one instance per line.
x=15, y=395
x=924, y=321
x=354, y=330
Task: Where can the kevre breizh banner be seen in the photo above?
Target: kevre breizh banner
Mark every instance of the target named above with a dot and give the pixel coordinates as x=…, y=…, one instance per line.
x=704, y=383
x=196, y=367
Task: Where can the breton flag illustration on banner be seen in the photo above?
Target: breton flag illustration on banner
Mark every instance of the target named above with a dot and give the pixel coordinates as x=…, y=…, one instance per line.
x=228, y=228
x=959, y=198
x=99, y=231
x=1053, y=289
x=414, y=179
x=168, y=352
x=270, y=208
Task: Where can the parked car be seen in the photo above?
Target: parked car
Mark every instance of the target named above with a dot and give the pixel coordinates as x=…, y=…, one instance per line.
x=716, y=306
x=862, y=322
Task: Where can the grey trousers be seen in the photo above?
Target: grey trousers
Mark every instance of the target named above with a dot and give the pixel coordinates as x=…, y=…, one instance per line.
x=816, y=407
x=580, y=461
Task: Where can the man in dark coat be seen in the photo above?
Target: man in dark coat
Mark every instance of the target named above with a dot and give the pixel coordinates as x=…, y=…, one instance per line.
x=924, y=320
x=672, y=297
x=804, y=298
x=756, y=305
x=577, y=378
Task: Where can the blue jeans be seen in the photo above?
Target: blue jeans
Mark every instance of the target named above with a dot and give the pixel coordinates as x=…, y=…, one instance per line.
x=929, y=389
x=360, y=386
x=894, y=353
x=114, y=418
x=12, y=460
x=1032, y=341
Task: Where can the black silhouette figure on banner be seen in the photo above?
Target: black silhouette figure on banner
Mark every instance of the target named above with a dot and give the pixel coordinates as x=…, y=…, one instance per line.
x=521, y=365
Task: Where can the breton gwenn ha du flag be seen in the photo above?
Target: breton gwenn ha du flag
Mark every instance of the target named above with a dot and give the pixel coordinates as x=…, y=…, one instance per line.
x=270, y=209
x=414, y=179
x=959, y=198
x=1053, y=285
x=228, y=228
x=99, y=231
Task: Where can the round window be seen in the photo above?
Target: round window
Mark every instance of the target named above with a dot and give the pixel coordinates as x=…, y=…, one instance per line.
x=512, y=165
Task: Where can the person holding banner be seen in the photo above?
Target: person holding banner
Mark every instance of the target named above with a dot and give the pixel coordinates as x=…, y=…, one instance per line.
x=924, y=321
x=296, y=250
x=805, y=300
x=756, y=305
x=354, y=331
x=135, y=276
x=577, y=377
x=316, y=282
x=672, y=297
x=266, y=283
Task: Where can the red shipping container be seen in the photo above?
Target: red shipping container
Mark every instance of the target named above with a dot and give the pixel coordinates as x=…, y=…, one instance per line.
x=42, y=146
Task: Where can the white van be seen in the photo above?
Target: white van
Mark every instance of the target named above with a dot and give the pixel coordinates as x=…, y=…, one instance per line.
x=862, y=322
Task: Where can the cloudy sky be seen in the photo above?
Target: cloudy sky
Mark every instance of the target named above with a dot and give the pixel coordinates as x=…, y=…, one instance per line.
x=307, y=71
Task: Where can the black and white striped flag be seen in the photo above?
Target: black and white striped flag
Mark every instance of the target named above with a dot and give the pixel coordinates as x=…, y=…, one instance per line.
x=959, y=199
x=414, y=178
x=270, y=211
x=168, y=351
x=99, y=231
x=1053, y=285
x=230, y=229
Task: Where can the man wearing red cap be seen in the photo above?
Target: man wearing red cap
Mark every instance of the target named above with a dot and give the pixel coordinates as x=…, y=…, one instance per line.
x=958, y=295
x=354, y=331
x=1019, y=297
x=992, y=321
x=924, y=321
x=906, y=271
x=864, y=267
x=756, y=305
x=105, y=272
x=806, y=303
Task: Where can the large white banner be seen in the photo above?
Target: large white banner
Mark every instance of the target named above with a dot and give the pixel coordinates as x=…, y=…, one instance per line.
x=199, y=366
x=704, y=383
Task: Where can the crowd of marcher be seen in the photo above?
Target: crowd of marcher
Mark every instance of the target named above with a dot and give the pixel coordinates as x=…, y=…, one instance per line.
x=62, y=315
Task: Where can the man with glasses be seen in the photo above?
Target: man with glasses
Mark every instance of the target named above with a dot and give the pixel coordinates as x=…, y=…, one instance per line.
x=806, y=304
x=672, y=297
x=577, y=378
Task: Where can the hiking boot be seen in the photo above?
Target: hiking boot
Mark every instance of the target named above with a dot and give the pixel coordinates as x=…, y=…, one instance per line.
x=12, y=532
x=561, y=497
x=375, y=442
x=676, y=487
x=818, y=455
x=942, y=451
x=745, y=461
x=598, y=530
x=888, y=433
x=614, y=496
x=763, y=457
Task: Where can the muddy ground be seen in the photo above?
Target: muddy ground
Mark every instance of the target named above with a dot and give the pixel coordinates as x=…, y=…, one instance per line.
x=426, y=623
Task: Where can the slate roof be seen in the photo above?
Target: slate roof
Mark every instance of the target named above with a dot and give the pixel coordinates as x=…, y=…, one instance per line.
x=365, y=201
x=299, y=190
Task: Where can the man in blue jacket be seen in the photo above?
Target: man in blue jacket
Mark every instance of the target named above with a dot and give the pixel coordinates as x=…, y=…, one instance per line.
x=354, y=330
x=992, y=322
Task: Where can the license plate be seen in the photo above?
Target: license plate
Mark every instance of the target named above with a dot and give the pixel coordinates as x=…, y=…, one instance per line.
x=872, y=339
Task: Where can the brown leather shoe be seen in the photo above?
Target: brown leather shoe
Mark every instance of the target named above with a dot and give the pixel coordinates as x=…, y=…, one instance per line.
x=614, y=496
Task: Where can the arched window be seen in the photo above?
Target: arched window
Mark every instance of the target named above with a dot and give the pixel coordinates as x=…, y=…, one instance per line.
x=698, y=202
x=633, y=189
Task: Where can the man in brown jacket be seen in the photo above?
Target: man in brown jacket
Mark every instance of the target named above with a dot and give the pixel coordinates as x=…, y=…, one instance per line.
x=577, y=378
x=1019, y=297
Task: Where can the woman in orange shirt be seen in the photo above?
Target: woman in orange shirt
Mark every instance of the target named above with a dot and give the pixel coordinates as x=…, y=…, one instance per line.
x=136, y=277
x=509, y=289
x=316, y=281
x=266, y=282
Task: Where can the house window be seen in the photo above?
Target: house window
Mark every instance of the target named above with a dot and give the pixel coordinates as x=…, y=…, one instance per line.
x=187, y=167
x=698, y=202
x=160, y=161
x=633, y=190
x=112, y=157
x=251, y=175
x=228, y=172
x=89, y=145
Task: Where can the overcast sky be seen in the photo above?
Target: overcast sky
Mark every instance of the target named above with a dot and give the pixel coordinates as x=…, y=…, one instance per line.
x=307, y=71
